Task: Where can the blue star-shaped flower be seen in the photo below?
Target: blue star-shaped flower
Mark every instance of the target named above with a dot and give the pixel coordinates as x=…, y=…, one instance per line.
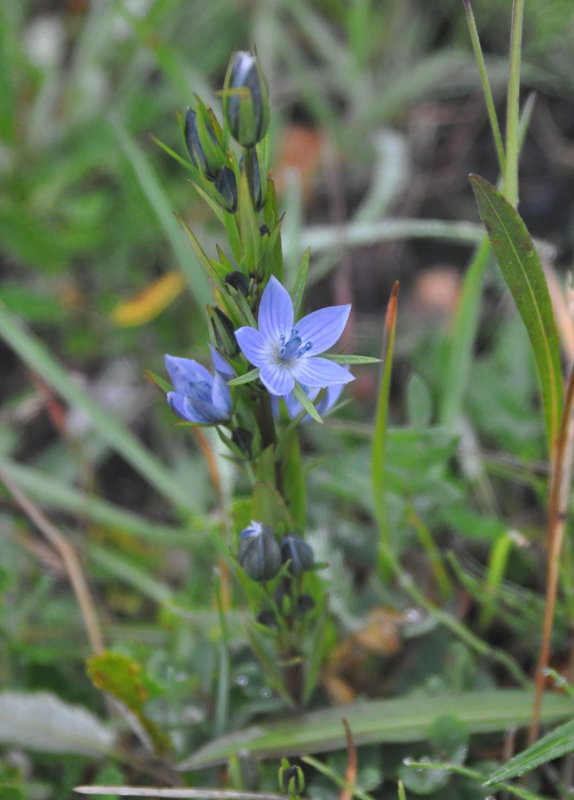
x=285, y=352
x=199, y=396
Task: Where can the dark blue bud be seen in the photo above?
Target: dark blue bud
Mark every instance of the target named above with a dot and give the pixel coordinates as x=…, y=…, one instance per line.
x=305, y=603
x=291, y=778
x=246, y=99
x=223, y=331
x=226, y=185
x=239, y=281
x=258, y=552
x=267, y=618
x=243, y=439
x=298, y=553
x=250, y=163
x=203, y=141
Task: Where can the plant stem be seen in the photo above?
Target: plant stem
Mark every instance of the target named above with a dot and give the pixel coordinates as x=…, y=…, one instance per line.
x=513, y=108
x=494, y=126
x=557, y=513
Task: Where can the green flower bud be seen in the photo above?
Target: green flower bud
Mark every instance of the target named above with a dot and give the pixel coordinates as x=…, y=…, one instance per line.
x=298, y=553
x=258, y=552
x=203, y=140
x=246, y=99
x=291, y=778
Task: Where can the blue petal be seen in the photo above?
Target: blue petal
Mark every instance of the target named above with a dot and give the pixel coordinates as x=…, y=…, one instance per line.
x=184, y=372
x=221, y=394
x=199, y=411
x=254, y=347
x=182, y=405
x=319, y=372
x=322, y=328
x=329, y=398
x=277, y=379
x=220, y=363
x=275, y=312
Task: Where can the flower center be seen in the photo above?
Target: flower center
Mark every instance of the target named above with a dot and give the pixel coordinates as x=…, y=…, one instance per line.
x=293, y=347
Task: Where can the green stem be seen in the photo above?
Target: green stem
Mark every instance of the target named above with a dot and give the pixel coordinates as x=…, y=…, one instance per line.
x=513, y=108
x=495, y=127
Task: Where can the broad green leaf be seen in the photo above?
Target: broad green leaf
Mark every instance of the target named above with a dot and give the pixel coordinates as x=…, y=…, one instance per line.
x=294, y=479
x=378, y=478
x=268, y=506
x=398, y=719
x=520, y=265
x=557, y=743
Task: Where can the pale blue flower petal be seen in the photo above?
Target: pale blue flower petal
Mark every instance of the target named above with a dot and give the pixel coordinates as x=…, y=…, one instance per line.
x=221, y=394
x=180, y=405
x=323, y=327
x=276, y=379
x=329, y=399
x=200, y=411
x=319, y=372
x=184, y=372
x=220, y=363
x=275, y=312
x=254, y=347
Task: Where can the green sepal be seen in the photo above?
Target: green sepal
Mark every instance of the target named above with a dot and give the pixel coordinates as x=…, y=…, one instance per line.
x=300, y=395
x=161, y=383
x=340, y=358
x=248, y=377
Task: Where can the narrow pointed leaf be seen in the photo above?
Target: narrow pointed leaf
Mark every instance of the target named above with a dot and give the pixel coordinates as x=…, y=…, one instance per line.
x=557, y=743
x=302, y=397
x=520, y=265
x=398, y=719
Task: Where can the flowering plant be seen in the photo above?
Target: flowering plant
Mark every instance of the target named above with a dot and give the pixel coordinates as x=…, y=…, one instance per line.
x=264, y=353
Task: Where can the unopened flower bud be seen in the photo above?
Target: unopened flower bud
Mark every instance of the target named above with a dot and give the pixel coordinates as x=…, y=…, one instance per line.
x=258, y=190
x=203, y=140
x=239, y=281
x=258, y=552
x=226, y=185
x=298, y=553
x=223, y=331
x=305, y=603
x=267, y=618
x=244, y=441
x=246, y=99
x=291, y=778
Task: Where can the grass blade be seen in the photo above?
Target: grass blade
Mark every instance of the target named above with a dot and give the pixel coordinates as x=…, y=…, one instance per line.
x=400, y=719
x=557, y=743
x=38, y=358
x=523, y=273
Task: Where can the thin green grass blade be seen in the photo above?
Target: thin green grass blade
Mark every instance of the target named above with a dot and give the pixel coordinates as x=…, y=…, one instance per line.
x=380, y=433
x=523, y=273
x=151, y=187
x=558, y=742
x=38, y=358
x=400, y=719
x=55, y=494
